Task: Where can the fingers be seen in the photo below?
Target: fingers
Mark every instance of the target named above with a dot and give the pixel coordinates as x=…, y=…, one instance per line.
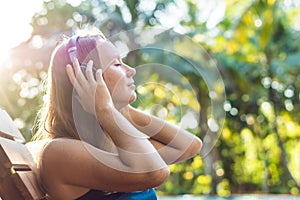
x=71, y=74
x=77, y=69
x=77, y=78
x=73, y=78
x=99, y=77
x=89, y=72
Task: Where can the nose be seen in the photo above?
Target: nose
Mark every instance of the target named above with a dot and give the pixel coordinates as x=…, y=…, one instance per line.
x=130, y=72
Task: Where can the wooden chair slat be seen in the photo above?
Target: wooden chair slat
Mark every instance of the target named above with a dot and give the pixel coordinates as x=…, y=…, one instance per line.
x=17, y=166
x=8, y=189
x=24, y=181
x=8, y=129
x=15, y=153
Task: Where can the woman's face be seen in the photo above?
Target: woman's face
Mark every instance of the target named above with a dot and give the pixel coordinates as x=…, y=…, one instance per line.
x=119, y=80
x=117, y=75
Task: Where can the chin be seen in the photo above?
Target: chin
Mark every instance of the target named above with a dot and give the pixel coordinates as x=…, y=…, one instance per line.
x=132, y=98
x=120, y=104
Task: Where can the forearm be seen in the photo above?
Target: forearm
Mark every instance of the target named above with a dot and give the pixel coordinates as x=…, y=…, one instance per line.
x=175, y=142
x=172, y=155
x=134, y=149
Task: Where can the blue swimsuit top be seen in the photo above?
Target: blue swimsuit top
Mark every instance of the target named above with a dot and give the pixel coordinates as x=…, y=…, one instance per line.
x=101, y=195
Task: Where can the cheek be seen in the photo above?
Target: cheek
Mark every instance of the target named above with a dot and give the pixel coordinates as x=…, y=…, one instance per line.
x=108, y=82
x=112, y=80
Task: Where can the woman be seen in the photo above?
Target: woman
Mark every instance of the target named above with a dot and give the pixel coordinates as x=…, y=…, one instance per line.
x=100, y=147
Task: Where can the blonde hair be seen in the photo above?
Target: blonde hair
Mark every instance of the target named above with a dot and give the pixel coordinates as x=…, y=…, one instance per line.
x=55, y=119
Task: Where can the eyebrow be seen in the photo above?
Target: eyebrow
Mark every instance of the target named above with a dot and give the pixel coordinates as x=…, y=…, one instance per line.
x=119, y=59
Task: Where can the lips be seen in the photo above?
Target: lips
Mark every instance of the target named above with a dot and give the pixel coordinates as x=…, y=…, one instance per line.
x=131, y=85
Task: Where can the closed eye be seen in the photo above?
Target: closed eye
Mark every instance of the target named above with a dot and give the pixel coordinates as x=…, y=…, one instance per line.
x=117, y=64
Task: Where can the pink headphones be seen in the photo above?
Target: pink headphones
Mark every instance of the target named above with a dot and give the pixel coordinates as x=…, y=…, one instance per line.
x=72, y=51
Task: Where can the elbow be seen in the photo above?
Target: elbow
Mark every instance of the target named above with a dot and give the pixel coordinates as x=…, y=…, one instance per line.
x=162, y=175
x=191, y=151
x=197, y=145
x=151, y=179
x=158, y=177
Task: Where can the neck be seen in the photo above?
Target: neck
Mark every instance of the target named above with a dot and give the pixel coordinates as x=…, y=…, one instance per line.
x=119, y=106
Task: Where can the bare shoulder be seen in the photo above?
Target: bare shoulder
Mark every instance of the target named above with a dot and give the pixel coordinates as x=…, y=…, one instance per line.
x=60, y=150
x=59, y=144
x=59, y=161
x=57, y=147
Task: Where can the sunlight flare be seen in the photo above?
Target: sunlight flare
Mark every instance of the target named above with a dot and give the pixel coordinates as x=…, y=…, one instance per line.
x=15, y=18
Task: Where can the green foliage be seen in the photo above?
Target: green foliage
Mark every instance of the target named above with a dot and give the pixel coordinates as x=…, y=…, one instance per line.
x=262, y=86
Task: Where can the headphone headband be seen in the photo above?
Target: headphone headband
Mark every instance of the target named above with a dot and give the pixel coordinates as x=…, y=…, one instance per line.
x=72, y=49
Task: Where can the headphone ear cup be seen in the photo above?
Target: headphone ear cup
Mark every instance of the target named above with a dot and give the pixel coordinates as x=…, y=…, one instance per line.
x=72, y=51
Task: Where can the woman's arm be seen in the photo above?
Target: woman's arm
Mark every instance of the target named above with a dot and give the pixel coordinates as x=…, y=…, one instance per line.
x=134, y=149
x=135, y=152
x=173, y=143
x=69, y=166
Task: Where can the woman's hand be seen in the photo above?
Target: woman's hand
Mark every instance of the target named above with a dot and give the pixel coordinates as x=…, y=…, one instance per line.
x=90, y=92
